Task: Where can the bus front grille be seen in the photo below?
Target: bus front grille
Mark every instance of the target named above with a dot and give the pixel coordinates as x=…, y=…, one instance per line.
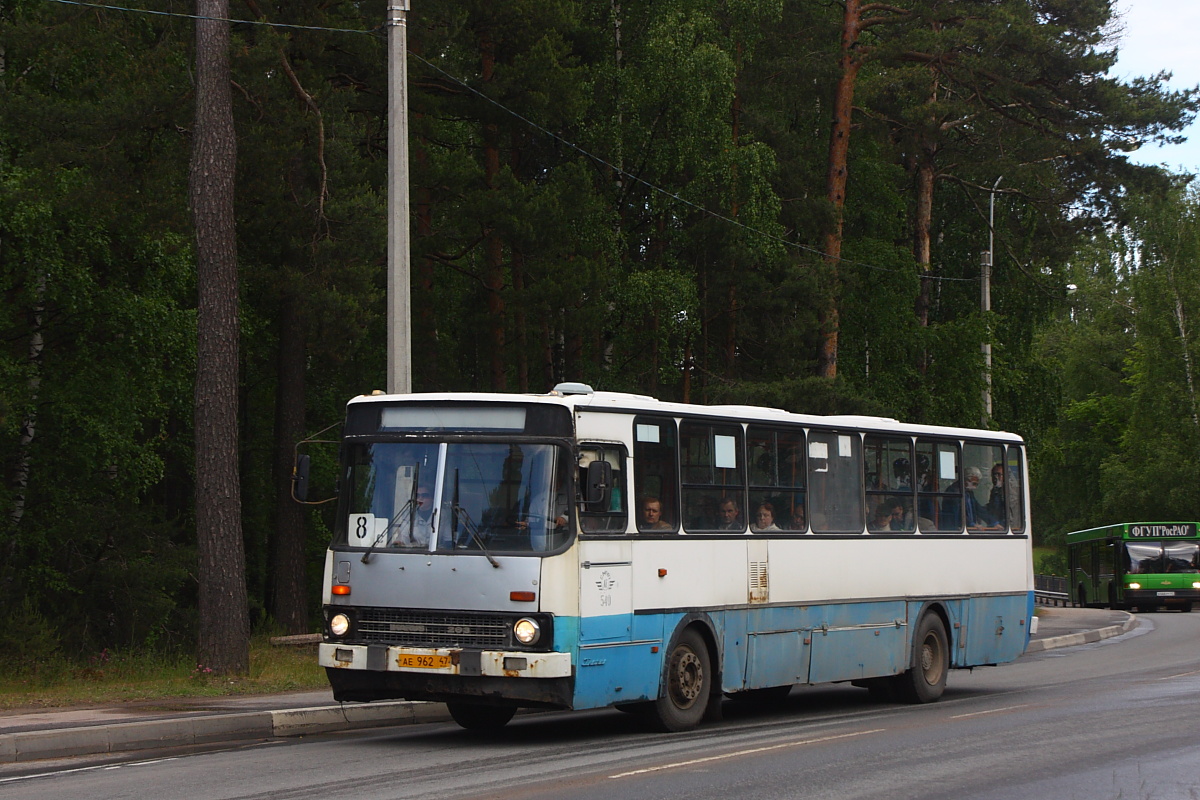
x=432, y=629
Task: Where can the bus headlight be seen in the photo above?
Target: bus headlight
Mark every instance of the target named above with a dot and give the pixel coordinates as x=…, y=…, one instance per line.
x=1196, y=584
x=527, y=630
x=1135, y=586
x=339, y=624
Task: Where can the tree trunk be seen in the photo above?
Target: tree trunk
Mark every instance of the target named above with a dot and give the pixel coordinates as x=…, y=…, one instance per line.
x=29, y=423
x=731, y=310
x=922, y=250
x=835, y=182
x=289, y=597
x=224, y=627
x=1181, y=326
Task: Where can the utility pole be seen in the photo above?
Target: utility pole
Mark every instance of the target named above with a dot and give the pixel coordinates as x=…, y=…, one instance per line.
x=399, y=306
x=985, y=303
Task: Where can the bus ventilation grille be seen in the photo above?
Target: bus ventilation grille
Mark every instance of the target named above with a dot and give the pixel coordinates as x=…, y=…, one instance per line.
x=425, y=629
x=759, y=585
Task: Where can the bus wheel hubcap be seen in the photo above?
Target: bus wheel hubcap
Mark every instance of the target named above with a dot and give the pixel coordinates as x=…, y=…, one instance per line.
x=686, y=679
x=930, y=660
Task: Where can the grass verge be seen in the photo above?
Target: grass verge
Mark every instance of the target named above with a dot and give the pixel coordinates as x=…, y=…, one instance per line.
x=109, y=678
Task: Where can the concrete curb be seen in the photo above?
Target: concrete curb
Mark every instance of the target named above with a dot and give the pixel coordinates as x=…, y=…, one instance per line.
x=1086, y=637
x=125, y=737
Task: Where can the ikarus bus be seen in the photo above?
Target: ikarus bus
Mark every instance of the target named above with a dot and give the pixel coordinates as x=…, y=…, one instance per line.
x=584, y=549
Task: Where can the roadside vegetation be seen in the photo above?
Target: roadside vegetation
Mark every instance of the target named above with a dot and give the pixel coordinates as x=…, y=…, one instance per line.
x=138, y=677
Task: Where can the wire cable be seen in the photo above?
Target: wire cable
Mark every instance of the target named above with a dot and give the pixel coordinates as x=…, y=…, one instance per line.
x=371, y=32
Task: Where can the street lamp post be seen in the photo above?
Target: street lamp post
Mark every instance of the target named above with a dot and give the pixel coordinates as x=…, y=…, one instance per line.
x=985, y=303
x=399, y=308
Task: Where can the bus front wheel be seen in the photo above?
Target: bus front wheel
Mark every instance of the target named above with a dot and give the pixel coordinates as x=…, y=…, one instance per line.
x=688, y=685
x=925, y=679
x=475, y=717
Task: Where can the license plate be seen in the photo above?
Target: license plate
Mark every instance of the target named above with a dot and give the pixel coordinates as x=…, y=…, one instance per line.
x=415, y=661
x=1166, y=594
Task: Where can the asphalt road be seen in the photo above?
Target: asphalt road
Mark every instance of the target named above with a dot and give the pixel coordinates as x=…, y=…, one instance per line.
x=1113, y=719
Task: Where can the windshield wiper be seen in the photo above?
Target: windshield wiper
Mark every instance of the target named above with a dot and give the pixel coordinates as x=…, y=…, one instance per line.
x=457, y=513
x=410, y=506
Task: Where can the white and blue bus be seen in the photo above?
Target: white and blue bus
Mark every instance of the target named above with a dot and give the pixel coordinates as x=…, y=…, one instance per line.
x=585, y=549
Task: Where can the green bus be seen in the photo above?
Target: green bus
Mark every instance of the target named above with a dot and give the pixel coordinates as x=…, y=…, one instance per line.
x=1136, y=565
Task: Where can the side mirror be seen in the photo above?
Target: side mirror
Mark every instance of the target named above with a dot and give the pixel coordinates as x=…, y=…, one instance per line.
x=300, y=478
x=599, y=483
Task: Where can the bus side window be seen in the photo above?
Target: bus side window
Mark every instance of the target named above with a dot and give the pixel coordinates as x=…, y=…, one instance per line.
x=714, y=481
x=939, y=486
x=988, y=500
x=1014, y=487
x=777, y=476
x=654, y=471
x=835, y=477
x=888, y=464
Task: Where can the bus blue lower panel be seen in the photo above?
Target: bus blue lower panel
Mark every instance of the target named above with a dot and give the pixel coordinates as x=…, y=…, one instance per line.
x=776, y=646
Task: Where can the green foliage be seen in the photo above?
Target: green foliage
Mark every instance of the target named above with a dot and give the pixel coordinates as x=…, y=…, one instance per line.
x=29, y=641
x=629, y=194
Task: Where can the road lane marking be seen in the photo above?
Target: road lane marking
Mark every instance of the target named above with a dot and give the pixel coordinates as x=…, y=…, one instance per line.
x=748, y=752
x=1180, y=675
x=990, y=711
x=91, y=768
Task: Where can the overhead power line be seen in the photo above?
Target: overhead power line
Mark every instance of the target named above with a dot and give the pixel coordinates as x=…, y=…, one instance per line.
x=371, y=32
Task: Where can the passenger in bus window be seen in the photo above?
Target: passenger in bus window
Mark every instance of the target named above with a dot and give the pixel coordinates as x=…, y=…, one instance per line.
x=977, y=516
x=881, y=520
x=764, y=518
x=926, y=487
x=901, y=517
x=799, y=523
x=729, y=516
x=650, y=515
x=996, y=501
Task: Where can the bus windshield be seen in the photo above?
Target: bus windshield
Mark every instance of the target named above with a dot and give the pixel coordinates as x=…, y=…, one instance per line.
x=459, y=496
x=1156, y=558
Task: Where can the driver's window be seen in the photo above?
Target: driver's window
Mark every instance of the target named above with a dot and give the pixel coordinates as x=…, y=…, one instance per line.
x=608, y=515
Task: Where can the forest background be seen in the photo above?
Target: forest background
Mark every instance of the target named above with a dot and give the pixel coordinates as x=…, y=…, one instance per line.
x=778, y=202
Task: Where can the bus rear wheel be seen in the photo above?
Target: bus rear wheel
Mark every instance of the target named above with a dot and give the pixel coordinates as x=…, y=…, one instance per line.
x=475, y=717
x=688, y=685
x=925, y=679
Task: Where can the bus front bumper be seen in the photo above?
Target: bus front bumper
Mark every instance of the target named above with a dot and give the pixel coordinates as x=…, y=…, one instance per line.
x=1163, y=597
x=445, y=661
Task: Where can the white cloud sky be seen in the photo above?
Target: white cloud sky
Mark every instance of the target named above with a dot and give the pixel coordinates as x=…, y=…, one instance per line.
x=1161, y=35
